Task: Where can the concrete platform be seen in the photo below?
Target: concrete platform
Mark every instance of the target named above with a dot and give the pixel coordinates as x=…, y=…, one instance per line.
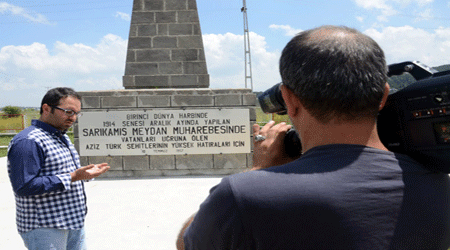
x=123, y=214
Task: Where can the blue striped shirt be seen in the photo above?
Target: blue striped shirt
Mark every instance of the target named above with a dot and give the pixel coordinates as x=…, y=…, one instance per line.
x=40, y=160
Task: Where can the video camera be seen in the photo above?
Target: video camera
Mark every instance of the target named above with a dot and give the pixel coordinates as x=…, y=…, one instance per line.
x=415, y=120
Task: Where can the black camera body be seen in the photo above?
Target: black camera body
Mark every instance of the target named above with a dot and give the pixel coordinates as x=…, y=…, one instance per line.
x=415, y=120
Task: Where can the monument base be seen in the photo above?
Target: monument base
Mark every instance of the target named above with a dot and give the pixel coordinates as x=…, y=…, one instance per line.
x=135, y=166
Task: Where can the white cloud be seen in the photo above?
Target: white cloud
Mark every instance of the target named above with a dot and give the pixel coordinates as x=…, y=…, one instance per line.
x=6, y=8
x=426, y=14
x=413, y=44
x=360, y=19
x=424, y=2
x=123, y=16
x=418, y=2
x=289, y=31
x=387, y=8
x=28, y=71
x=33, y=68
x=226, y=62
x=381, y=5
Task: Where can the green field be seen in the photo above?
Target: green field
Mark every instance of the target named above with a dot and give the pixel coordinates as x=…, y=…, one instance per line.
x=10, y=123
x=13, y=125
x=262, y=118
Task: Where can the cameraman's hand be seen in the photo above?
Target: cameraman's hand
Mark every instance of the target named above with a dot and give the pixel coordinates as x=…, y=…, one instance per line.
x=270, y=152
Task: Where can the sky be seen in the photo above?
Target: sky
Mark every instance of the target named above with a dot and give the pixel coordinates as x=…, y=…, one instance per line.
x=82, y=44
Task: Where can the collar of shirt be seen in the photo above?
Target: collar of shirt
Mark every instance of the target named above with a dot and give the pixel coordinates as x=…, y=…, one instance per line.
x=47, y=127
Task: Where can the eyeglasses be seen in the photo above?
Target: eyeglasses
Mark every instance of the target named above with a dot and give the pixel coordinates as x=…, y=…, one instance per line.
x=68, y=112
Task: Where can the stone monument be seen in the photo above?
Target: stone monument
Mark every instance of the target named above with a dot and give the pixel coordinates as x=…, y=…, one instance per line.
x=167, y=121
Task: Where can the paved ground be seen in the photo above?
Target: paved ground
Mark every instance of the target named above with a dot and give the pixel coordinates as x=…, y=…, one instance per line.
x=123, y=214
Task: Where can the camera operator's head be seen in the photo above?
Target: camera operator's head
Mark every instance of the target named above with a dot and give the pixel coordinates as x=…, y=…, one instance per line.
x=336, y=73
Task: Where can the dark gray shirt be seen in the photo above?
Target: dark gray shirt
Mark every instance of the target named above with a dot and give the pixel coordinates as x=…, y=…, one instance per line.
x=333, y=197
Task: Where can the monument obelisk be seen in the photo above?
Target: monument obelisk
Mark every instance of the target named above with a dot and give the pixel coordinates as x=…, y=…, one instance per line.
x=167, y=121
x=165, y=47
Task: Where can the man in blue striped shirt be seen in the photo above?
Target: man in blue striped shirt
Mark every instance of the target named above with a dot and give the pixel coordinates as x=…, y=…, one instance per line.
x=46, y=176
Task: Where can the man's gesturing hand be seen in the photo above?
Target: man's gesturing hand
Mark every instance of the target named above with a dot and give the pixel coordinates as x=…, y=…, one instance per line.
x=89, y=172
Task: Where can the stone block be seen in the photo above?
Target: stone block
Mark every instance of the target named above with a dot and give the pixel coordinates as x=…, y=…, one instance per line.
x=176, y=4
x=115, y=162
x=215, y=172
x=84, y=161
x=194, y=161
x=128, y=81
x=136, y=162
x=142, y=17
x=180, y=29
x=163, y=29
x=75, y=128
x=196, y=29
x=190, y=42
x=141, y=69
x=171, y=68
x=192, y=100
x=90, y=102
x=192, y=5
x=119, y=102
x=147, y=173
x=252, y=114
x=162, y=162
x=138, y=5
x=195, y=68
x=117, y=174
x=76, y=143
x=139, y=43
x=203, y=81
x=164, y=42
x=184, y=55
x=174, y=172
x=232, y=91
x=249, y=99
x=131, y=56
x=228, y=100
x=133, y=31
x=184, y=81
x=153, y=101
x=188, y=16
x=152, y=81
x=153, y=55
x=201, y=55
x=230, y=161
x=166, y=17
x=146, y=30
x=153, y=5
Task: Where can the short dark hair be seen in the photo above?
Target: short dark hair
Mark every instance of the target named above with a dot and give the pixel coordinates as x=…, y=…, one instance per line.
x=54, y=96
x=336, y=72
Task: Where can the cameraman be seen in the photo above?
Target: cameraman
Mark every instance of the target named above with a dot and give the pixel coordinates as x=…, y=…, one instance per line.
x=346, y=191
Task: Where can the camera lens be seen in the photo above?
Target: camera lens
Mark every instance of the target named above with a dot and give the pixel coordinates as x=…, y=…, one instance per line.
x=271, y=101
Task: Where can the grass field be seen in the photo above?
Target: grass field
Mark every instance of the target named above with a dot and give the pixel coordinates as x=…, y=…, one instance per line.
x=262, y=118
x=13, y=125
x=10, y=123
